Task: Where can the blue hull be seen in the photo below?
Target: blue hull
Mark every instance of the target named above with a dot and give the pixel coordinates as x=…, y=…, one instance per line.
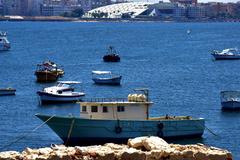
x=231, y=105
x=225, y=57
x=108, y=81
x=74, y=130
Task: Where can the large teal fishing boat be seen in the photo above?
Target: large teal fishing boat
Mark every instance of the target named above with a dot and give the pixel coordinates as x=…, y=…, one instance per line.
x=116, y=120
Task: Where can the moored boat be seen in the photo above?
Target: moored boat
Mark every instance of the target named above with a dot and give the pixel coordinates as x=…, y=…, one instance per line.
x=7, y=91
x=226, y=54
x=230, y=100
x=62, y=92
x=117, y=120
x=111, y=56
x=53, y=67
x=48, y=72
x=46, y=76
x=4, y=43
x=106, y=77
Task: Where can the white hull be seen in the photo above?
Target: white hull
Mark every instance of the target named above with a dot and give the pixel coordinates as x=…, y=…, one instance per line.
x=48, y=97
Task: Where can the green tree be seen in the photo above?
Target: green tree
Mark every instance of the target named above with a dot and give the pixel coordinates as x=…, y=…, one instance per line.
x=78, y=12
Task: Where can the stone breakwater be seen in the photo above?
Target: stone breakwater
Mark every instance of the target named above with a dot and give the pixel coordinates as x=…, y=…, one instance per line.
x=141, y=148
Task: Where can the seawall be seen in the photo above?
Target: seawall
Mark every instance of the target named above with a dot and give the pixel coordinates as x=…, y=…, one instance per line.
x=141, y=148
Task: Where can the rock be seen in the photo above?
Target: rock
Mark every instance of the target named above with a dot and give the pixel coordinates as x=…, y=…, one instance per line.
x=155, y=143
x=133, y=154
x=136, y=142
x=142, y=148
x=10, y=155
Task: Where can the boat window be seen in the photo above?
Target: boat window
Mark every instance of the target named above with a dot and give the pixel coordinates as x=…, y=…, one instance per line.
x=94, y=109
x=84, y=108
x=120, y=108
x=104, y=109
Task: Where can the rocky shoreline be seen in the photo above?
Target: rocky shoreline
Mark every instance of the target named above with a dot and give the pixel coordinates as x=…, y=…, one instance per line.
x=141, y=148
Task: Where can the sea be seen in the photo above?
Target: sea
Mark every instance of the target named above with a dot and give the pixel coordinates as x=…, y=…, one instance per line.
x=172, y=59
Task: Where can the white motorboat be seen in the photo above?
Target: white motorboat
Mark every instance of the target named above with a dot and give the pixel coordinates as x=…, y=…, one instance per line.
x=226, y=54
x=230, y=100
x=4, y=43
x=62, y=92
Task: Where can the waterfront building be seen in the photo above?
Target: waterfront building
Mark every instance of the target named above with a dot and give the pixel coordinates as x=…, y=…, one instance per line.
x=167, y=10
x=132, y=9
x=196, y=12
x=186, y=2
x=57, y=10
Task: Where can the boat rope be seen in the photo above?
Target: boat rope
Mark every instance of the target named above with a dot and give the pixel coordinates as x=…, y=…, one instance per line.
x=70, y=131
x=209, y=130
x=26, y=134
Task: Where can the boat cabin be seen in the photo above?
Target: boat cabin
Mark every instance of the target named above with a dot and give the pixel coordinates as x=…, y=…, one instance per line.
x=135, y=107
x=62, y=86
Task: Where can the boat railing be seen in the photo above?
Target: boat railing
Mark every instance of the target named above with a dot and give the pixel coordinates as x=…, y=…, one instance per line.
x=120, y=100
x=106, y=100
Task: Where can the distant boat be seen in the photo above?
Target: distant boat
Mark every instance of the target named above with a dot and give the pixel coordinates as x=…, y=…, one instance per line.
x=7, y=91
x=48, y=72
x=62, y=92
x=230, y=100
x=106, y=77
x=226, y=54
x=111, y=56
x=53, y=67
x=118, y=119
x=4, y=43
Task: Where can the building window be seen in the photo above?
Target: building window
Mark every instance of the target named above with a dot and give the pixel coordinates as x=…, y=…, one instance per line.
x=120, y=108
x=84, y=108
x=104, y=109
x=94, y=109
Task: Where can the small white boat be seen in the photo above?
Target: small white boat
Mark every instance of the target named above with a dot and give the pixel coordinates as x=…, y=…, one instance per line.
x=106, y=77
x=7, y=91
x=230, y=100
x=62, y=92
x=4, y=43
x=226, y=54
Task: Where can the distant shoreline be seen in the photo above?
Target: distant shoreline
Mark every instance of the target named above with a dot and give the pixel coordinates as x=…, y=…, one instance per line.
x=72, y=19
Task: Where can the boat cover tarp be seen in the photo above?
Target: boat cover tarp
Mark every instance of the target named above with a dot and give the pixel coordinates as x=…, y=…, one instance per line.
x=101, y=72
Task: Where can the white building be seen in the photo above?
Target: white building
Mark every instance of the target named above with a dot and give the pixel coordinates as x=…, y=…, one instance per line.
x=117, y=10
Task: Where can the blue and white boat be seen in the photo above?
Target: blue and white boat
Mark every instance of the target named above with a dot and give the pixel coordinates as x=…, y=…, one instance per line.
x=116, y=120
x=7, y=91
x=106, y=77
x=62, y=92
x=226, y=54
x=4, y=43
x=230, y=100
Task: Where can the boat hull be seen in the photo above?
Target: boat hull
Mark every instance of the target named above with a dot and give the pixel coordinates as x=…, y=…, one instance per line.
x=75, y=131
x=53, y=98
x=110, y=58
x=231, y=105
x=225, y=57
x=7, y=91
x=108, y=81
x=4, y=46
x=46, y=76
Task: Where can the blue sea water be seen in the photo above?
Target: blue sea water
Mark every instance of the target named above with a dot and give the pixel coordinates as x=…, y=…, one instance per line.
x=177, y=68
